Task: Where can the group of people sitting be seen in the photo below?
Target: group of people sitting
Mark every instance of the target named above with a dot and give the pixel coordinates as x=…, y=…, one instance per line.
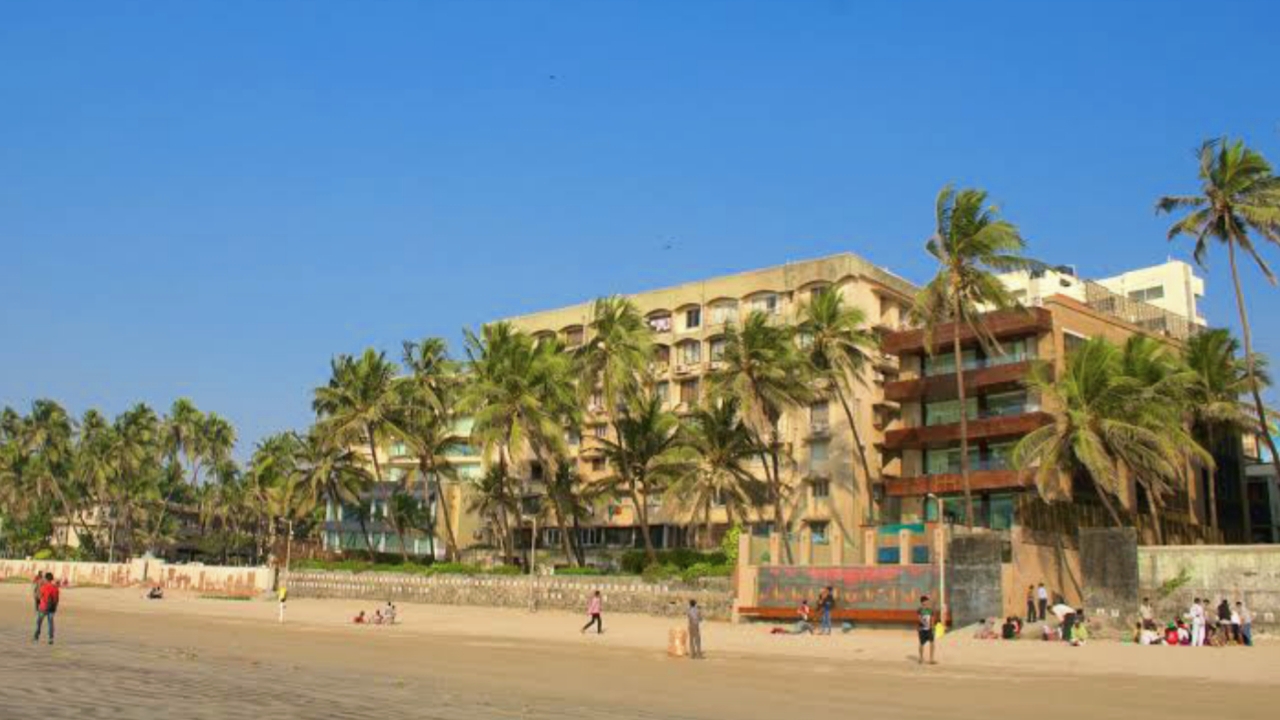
x=1072, y=627
x=1198, y=627
x=385, y=616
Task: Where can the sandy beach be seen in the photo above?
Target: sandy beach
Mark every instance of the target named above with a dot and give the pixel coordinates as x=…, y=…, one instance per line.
x=119, y=656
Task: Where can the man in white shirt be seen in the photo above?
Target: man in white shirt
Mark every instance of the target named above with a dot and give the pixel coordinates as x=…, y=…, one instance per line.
x=1196, y=614
x=1042, y=594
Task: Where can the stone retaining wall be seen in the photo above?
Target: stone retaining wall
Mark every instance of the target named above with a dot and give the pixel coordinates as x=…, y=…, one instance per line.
x=1250, y=573
x=622, y=595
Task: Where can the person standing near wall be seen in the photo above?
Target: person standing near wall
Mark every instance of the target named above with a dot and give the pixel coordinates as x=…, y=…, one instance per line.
x=1031, y=604
x=695, y=631
x=1042, y=597
x=1196, y=613
x=47, y=606
x=924, y=629
x=1246, y=624
x=1147, y=614
x=593, y=613
x=826, y=603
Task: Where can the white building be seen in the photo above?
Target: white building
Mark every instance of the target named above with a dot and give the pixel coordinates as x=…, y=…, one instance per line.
x=1163, y=298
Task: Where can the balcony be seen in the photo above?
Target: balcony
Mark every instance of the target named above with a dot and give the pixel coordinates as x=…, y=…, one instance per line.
x=1006, y=423
x=1002, y=323
x=982, y=375
x=980, y=479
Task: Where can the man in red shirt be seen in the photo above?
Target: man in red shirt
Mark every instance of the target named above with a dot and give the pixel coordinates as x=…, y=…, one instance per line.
x=47, y=606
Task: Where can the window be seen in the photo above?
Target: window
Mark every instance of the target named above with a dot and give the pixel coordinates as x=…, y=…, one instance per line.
x=598, y=464
x=662, y=391
x=572, y=437
x=767, y=304
x=999, y=456
x=535, y=470
x=573, y=337
x=818, y=454
x=819, y=415
x=943, y=363
x=1072, y=341
x=717, y=349
x=689, y=392
x=1147, y=294
x=762, y=529
x=818, y=532
x=818, y=292
x=946, y=461
x=948, y=411
x=820, y=489
x=398, y=449
x=660, y=323
x=724, y=312
x=1005, y=404
x=690, y=353
x=662, y=355
x=597, y=399
x=600, y=430
x=395, y=475
x=693, y=318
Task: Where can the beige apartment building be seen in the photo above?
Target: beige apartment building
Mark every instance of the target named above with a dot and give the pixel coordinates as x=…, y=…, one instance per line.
x=688, y=323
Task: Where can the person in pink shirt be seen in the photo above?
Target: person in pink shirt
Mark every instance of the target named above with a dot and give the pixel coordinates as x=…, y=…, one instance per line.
x=593, y=609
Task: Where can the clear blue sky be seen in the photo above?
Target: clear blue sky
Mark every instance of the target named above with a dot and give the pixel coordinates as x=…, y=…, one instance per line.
x=209, y=199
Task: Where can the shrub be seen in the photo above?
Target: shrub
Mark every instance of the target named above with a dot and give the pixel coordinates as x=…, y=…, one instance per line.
x=580, y=571
x=42, y=554
x=634, y=562
x=729, y=545
x=659, y=573
x=704, y=570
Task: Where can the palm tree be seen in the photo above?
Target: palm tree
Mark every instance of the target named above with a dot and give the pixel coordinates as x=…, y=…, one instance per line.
x=331, y=471
x=1220, y=380
x=970, y=243
x=643, y=458
x=570, y=502
x=1105, y=420
x=724, y=449
x=839, y=344
x=1239, y=197
x=763, y=368
x=491, y=498
x=616, y=357
x=355, y=405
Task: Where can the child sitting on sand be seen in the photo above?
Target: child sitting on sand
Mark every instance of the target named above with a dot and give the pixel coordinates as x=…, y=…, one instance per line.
x=359, y=619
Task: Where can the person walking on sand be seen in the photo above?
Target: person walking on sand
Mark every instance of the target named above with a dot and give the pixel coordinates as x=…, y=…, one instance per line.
x=593, y=612
x=924, y=628
x=1042, y=598
x=47, y=606
x=1031, y=604
x=695, y=631
x=36, y=584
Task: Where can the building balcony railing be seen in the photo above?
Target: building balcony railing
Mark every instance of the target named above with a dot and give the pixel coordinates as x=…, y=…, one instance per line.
x=941, y=484
x=1009, y=422
x=1001, y=324
x=943, y=387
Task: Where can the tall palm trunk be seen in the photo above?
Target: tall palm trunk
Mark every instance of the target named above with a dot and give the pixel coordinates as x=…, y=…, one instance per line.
x=861, y=454
x=779, y=514
x=1213, y=482
x=642, y=515
x=377, y=479
x=1263, y=427
x=1154, y=508
x=566, y=545
x=964, y=417
x=446, y=515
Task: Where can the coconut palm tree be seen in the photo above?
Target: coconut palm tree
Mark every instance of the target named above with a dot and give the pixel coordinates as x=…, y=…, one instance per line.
x=355, y=405
x=615, y=359
x=763, y=368
x=492, y=499
x=839, y=346
x=1238, y=203
x=723, y=449
x=644, y=457
x=332, y=471
x=971, y=243
x=1220, y=380
x=570, y=502
x=1106, y=419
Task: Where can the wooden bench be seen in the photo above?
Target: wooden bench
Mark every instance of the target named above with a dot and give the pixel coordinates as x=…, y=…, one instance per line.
x=891, y=617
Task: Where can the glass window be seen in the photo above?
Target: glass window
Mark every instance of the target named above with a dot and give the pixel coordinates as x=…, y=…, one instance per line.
x=820, y=489
x=693, y=318
x=600, y=430
x=717, y=349
x=1001, y=512
x=399, y=449
x=662, y=354
x=689, y=392
x=572, y=437
x=946, y=362
x=1000, y=455
x=722, y=313
x=767, y=304
x=1005, y=404
x=662, y=391
x=1147, y=294
x=690, y=353
x=946, y=461
x=1072, y=341
x=762, y=529
x=660, y=323
x=818, y=414
x=598, y=464
x=818, y=532
x=818, y=452
x=948, y=411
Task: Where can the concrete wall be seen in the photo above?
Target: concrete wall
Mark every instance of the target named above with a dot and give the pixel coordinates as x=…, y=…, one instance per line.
x=194, y=577
x=1034, y=562
x=1250, y=573
x=975, y=577
x=714, y=595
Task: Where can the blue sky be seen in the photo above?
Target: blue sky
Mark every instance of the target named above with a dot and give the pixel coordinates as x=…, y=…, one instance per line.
x=209, y=199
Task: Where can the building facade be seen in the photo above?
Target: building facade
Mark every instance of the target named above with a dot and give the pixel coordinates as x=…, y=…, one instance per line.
x=688, y=323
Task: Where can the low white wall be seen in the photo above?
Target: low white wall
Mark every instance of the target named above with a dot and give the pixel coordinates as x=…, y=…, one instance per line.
x=194, y=577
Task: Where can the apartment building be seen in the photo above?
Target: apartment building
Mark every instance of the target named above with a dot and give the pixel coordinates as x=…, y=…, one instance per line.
x=688, y=323
x=342, y=530
x=921, y=449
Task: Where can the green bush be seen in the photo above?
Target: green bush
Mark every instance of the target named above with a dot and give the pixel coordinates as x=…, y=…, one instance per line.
x=729, y=545
x=580, y=571
x=42, y=554
x=634, y=562
x=704, y=570
x=659, y=573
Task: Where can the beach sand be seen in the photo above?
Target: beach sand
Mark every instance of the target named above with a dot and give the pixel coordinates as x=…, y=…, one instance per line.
x=119, y=656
